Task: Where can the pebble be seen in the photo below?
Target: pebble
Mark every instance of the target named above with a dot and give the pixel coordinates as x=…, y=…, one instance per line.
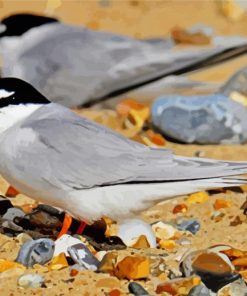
x=12, y=213
x=36, y=251
x=236, y=288
x=189, y=119
x=192, y=226
x=200, y=290
x=137, y=289
x=132, y=268
x=198, y=197
x=82, y=256
x=31, y=280
x=58, y=262
x=163, y=230
x=23, y=237
x=5, y=204
x=10, y=226
x=64, y=242
x=130, y=230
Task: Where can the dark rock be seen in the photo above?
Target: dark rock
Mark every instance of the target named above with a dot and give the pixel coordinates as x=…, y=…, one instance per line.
x=5, y=204
x=137, y=289
x=189, y=225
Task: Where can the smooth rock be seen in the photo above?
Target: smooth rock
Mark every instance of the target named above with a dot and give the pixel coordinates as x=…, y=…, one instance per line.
x=163, y=230
x=192, y=226
x=23, y=237
x=36, y=251
x=130, y=230
x=137, y=289
x=64, y=242
x=31, y=280
x=236, y=288
x=82, y=256
x=189, y=119
x=9, y=225
x=200, y=290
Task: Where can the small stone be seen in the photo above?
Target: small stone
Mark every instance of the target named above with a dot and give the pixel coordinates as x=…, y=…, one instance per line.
x=58, y=262
x=183, y=241
x=217, y=216
x=222, y=204
x=180, y=208
x=241, y=262
x=200, y=290
x=114, y=292
x=132, y=268
x=192, y=226
x=167, y=244
x=82, y=256
x=237, y=221
x=137, y=289
x=108, y=263
x=12, y=213
x=236, y=288
x=23, y=237
x=163, y=230
x=131, y=230
x=141, y=243
x=6, y=265
x=73, y=271
x=10, y=226
x=36, y=251
x=5, y=204
x=198, y=197
x=31, y=280
x=64, y=242
x=166, y=287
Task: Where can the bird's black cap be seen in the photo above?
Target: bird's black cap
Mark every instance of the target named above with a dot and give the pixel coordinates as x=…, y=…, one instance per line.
x=14, y=91
x=17, y=24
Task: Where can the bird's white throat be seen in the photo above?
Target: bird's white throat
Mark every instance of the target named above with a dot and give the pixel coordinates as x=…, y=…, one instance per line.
x=12, y=114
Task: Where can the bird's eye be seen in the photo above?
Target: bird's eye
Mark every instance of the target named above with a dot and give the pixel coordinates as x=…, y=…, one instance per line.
x=5, y=94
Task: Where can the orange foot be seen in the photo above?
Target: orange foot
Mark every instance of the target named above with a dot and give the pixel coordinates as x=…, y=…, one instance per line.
x=66, y=225
x=11, y=192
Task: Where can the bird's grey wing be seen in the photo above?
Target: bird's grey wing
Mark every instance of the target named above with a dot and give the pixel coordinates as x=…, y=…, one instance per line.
x=60, y=60
x=72, y=151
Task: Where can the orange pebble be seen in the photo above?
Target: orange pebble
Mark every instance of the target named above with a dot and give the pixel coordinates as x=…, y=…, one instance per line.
x=181, y=208
x=166, y=288
x=221, y=204
x=73, y=272
x=114, y=292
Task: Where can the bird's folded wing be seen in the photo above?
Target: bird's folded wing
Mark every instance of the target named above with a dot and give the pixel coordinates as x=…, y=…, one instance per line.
x=78, y=153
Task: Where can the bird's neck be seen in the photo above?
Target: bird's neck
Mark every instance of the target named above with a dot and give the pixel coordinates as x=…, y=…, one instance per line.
x=12, y=114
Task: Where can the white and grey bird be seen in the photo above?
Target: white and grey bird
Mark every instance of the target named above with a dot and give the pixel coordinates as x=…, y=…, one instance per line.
x=59, y=158
x=58, y=58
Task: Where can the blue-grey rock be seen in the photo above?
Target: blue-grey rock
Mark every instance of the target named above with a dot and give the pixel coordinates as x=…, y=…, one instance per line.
x=31, y=280
x=36, y=251
x=82, y=256
x=236, y=83
x=137, y=289
x=189, y=225
x=203, y=119
x=236, y=288
x=200, y=290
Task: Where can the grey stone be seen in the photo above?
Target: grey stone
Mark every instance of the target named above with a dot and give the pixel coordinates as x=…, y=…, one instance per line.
x=31, y=280
x=36, y=251
x=82, y=256
x=200, y=290
x=137, y=289
x=12, y=213
x=191, y=225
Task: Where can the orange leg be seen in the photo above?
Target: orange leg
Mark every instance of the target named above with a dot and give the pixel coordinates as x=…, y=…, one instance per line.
x=81, y=227
x=66, y=225
x=11, y=192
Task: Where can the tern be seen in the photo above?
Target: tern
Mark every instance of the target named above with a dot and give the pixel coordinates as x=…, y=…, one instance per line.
x=64, y=160
x=59, y=58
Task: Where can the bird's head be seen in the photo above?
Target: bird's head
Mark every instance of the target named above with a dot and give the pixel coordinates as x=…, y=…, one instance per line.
x=18, y=24
x=14, y=91
x=18, y=99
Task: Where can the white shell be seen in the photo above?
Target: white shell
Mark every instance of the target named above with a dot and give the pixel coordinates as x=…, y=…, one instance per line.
x=131, y=229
